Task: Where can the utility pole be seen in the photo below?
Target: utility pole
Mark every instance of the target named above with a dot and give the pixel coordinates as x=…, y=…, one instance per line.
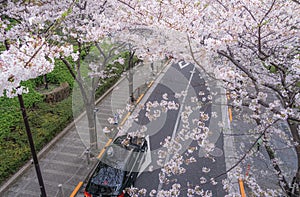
x=33, y=152
x=130, y=77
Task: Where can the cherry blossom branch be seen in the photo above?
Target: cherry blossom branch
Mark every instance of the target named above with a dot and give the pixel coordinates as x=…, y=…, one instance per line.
x=284, y=184
x=197, y=62
x=69, y=67
x=267, y=13
x=117, y=46
x=81, y=7
x=100, y=50
x=276, y=90
x=249, y=11
x=267, y=105
x=260, y=25
x=222, y=5
x=298, y=2
x=76, y=78
x=236, y=63
x=51, y=30
x=127, y=4
x=247, y=152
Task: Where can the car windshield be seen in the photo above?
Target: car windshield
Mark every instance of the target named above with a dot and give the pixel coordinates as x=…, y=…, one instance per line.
x=108, y=176
x=110, y=172
x=116, y=156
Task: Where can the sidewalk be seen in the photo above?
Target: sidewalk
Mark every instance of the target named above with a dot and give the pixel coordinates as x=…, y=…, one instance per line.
x=63, y=162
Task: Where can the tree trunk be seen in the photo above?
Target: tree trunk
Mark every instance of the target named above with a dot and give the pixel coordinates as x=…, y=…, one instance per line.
x=45, y=82
x=296, y=181
x=92, y=128
x=281, y=178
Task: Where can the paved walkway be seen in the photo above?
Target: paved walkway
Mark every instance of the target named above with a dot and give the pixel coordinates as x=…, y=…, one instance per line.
x=64, y=163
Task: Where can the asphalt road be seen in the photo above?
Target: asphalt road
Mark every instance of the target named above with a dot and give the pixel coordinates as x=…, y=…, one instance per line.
x=182, y=78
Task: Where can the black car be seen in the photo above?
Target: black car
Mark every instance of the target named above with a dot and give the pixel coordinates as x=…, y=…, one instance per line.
x=118, y=168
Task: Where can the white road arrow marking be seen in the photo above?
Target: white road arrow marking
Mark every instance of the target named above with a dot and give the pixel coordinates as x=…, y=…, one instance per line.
x=184, y=65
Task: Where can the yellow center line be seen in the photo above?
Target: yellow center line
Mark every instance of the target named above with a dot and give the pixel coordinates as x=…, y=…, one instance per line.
x=103, y=150
x=142, y=95
x=125, y=118
x=242, y=189
x=75, y=191
x=150, y=84
x=140, y=98
x=228, y=95
x=230, y=114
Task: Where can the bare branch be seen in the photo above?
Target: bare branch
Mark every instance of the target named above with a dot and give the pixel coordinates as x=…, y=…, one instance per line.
x=268, y=12
x=196, y=61
x=249, y=11
x=298, y=2
x=68, y=65
x=237, y=64
x=222, y=5
x=246, y=153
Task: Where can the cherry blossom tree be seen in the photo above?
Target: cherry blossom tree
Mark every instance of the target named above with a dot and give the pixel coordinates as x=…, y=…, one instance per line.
x=71, y=26
x=92, y=23
x=62, y=25
x=254, y=46
x=89, y=73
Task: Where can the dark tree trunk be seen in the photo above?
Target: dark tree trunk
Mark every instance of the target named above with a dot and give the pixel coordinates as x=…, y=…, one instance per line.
x=46, y=82
x=92, y=128
x=296, y=181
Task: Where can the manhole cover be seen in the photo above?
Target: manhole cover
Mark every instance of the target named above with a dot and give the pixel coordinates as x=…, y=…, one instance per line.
x=217, y=152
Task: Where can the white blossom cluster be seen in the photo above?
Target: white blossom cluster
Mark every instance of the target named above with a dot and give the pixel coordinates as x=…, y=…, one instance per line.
x=155, y=108
x=22, y=63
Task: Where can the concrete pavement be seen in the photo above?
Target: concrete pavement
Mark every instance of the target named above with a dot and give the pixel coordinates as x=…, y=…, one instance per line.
x=63, y=161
